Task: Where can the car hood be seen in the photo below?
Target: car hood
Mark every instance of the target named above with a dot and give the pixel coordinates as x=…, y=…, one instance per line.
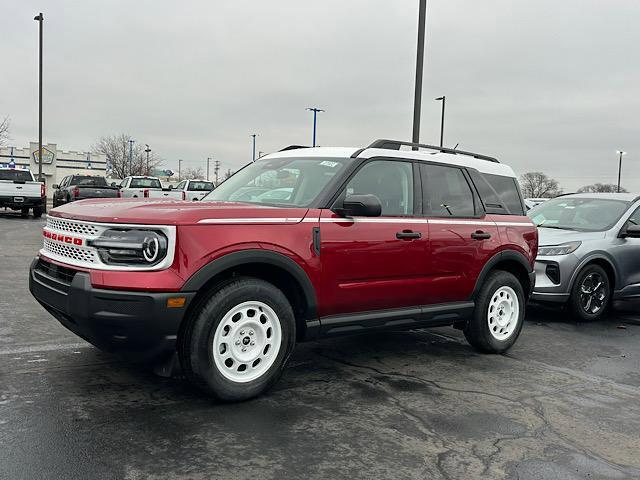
x=552, y=236
x=178, y=212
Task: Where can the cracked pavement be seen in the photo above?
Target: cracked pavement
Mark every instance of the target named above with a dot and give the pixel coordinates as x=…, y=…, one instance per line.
x=563, y=403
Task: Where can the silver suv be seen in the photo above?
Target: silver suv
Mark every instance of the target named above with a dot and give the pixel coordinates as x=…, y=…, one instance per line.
x=589, y=251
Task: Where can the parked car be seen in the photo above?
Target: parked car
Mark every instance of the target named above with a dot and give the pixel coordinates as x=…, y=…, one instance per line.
x=369, y=238
x=81, y=187
x=194, y=189
x=147, y=187
x=535, y=201
x=19, y=191
x=589, y=251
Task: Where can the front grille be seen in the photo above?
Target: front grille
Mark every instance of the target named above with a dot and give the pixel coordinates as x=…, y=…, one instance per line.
x=72, y=226
x=59, y=272
x=71, y=252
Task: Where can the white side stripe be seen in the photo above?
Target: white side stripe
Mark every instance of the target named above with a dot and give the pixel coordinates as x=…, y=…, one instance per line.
x=251, y=220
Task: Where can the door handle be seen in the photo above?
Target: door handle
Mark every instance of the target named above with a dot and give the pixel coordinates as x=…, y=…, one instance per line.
x=408, y=235
x=480, y=235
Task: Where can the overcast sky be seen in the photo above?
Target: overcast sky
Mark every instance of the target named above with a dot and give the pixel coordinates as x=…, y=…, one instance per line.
x=543, y=85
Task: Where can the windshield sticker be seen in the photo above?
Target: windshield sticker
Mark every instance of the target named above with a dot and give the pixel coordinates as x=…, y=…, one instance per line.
x=327, y=163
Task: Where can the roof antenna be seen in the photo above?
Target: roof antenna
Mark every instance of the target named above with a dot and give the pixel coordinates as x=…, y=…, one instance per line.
x=456, y=145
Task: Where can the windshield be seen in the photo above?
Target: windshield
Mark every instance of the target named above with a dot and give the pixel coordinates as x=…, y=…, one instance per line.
x=145, y=183
x=200, y=186
x=581, y=214
x=89, y=181
x=282, y=182
x=19, y=175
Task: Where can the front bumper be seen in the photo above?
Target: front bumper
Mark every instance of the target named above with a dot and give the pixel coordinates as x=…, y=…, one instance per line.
x=138, y=325
x=554, y=275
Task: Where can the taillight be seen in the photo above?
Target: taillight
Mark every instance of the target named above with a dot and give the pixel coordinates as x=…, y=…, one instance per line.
x=184, y=195
x=145, y=193
x=75, y=191
x=43, y=190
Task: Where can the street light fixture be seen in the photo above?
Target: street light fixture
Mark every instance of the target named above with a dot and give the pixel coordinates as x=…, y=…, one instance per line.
x=40, y=19
x=148, y=151
x=315, y=114
x=443, y=99
x=620, y=154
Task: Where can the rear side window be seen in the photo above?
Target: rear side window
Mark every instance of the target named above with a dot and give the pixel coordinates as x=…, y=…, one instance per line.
x=446, y=192
x=499, y=194
x=14, y=174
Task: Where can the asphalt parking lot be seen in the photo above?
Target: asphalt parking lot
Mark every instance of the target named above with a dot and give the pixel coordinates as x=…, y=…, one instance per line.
x=564, y=403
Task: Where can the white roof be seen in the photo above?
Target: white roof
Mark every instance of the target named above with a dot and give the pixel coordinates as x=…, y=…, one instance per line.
x=484, y=166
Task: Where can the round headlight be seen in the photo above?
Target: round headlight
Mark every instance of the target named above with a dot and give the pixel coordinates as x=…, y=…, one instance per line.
x=150, y=249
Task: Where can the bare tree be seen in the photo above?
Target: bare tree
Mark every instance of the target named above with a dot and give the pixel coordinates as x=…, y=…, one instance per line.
x=228, y=173
x=539, y=185
x=116, y=149
x=601, y=188
x=192, y=174
x=4, y=130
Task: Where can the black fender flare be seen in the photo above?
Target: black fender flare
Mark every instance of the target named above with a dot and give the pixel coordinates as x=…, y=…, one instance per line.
x=510, y=255
x=594, y=257
x=245, y=257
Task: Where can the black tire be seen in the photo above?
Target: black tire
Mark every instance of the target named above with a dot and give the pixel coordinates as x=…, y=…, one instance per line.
x=37, y=212
x=24, y=212
x=478, y=330
x=196, y=339
x=601, y=298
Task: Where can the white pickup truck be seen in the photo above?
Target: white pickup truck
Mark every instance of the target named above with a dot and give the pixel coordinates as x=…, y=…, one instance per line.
x=20, y=191
x=194, y=189
x=147, y=187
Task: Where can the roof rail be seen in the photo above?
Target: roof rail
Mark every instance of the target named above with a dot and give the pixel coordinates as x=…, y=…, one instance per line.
x=293, y=147
x=396, y=144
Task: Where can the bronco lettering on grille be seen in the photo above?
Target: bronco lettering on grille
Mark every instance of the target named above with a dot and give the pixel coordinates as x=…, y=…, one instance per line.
x=59, y=237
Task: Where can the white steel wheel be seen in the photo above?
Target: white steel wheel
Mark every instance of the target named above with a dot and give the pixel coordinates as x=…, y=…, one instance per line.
x=247, y=341
x=503, y=313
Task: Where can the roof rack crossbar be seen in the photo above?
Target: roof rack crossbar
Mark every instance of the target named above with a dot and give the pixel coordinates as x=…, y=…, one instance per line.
x=293, y=147
x=396, y=144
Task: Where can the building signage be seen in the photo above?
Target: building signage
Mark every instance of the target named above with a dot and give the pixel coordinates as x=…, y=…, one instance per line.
x=47, y=156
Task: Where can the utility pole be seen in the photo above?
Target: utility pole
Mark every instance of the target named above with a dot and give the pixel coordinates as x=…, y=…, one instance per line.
x=40, y=19
x=417, y=99
x=179, y=169
x=208, y=160
x=254, y=135
x=620, y=153
x=315, y=114
x=443, y=99
x=148, y=151
x=216, y=169
x=131, y=142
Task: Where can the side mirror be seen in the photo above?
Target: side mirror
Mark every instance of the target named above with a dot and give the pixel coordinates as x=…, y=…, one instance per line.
x=631, y=231
x=113, y=184
x=55, y=186
x=360, y=206
x=170, y=187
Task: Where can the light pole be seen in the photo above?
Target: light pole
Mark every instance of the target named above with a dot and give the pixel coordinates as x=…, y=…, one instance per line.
x=315, y=114
x=254, y=135
x=417, y=99
x=208, y=160
x=131, y=142
x=40, y=19
x=216, y=170
x=179, y=169
x=148, y=151
x=443, y=99
x=620, y=153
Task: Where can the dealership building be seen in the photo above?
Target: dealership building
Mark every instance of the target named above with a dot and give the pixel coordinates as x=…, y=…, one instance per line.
x=56, y=164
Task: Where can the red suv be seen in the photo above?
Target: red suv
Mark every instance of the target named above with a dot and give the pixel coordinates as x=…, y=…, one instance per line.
x=301, y=244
